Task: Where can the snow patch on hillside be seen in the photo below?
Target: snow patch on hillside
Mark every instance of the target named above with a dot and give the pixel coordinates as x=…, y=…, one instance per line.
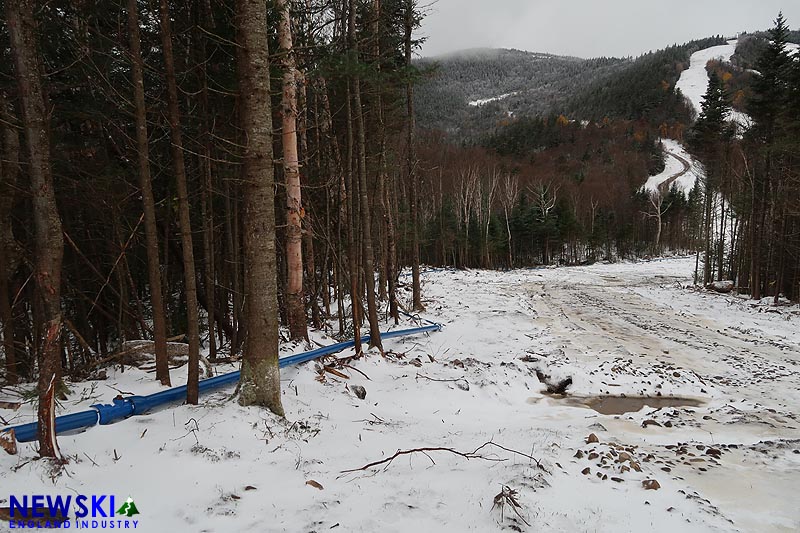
x=484, y=101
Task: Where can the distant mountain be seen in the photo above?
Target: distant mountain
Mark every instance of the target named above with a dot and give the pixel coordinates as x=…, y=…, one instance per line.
x=471, y=93
x=468, y=92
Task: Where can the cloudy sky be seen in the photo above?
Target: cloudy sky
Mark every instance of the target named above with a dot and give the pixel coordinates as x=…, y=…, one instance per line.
x=590, y=28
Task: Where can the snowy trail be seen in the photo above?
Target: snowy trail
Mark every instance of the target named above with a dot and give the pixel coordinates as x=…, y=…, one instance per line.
x=680, y=168
x=606, y=313
x=693, y=81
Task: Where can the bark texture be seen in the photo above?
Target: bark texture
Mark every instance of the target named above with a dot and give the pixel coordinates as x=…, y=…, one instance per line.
x=260, y=378
x=49, y=241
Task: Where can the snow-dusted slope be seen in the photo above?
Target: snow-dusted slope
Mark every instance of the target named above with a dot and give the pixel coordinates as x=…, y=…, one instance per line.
x=680, y=169
x=693, y=81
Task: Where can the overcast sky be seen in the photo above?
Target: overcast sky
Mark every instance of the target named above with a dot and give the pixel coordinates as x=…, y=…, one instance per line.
x=591, y=28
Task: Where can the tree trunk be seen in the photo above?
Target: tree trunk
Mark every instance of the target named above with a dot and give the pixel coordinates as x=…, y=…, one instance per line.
x=260, y=378
x=190, y=283
x=49, y=241
x=296, y=312
x=209, y=244
x=9, y=252
x=148, y=202
x=411, y=163
x=366, y=220
x=349, y=193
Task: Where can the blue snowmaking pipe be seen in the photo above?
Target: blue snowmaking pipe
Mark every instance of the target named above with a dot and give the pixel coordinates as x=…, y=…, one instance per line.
x=137, y=405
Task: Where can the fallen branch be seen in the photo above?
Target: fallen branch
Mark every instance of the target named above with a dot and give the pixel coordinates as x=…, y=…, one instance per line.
x=127, y=351
x=417, y=450
x=532, y=458
x=357, y=370
x=441, y=380
x=335, y=372
x=466, y=455
x=508, y=496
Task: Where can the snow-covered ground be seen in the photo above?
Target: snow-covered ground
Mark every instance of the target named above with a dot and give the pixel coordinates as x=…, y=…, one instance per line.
x=680, y=168
x=725, y=452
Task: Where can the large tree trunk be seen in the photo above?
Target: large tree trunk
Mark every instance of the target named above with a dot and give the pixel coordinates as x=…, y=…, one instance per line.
x=145, y=183
x=260, y=377
x=49, y=241
x=296, y=312
x=190, y=283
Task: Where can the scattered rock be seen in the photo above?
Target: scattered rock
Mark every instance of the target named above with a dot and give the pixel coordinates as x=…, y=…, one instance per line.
x=617, y=479
x=462, y=384
x=578, y=454
x=597, y=426
x=249, y=487
x=458, y=363
x=592, y=438
x=714, y=452
x=560, y=387
x=359, y=391
x=721, y=286
x=651, y=484
x=314, y=484
x=586, y=471
x=650, y=422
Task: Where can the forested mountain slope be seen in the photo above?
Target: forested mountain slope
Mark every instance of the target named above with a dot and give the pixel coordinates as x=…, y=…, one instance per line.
x=530, y=83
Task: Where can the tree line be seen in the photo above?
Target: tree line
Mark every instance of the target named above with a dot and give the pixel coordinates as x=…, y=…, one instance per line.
x=202, y=170
x=751, y=214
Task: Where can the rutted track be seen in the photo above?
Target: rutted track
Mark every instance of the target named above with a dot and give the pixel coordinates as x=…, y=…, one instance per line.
x=606, y=317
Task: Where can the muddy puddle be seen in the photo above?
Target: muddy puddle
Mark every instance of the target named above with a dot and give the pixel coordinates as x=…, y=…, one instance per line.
x=617, y=405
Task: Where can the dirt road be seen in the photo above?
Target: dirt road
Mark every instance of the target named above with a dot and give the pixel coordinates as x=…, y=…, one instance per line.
x=639, y=332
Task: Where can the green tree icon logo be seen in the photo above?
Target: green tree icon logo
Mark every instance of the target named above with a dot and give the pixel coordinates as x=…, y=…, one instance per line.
x=128, y=508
